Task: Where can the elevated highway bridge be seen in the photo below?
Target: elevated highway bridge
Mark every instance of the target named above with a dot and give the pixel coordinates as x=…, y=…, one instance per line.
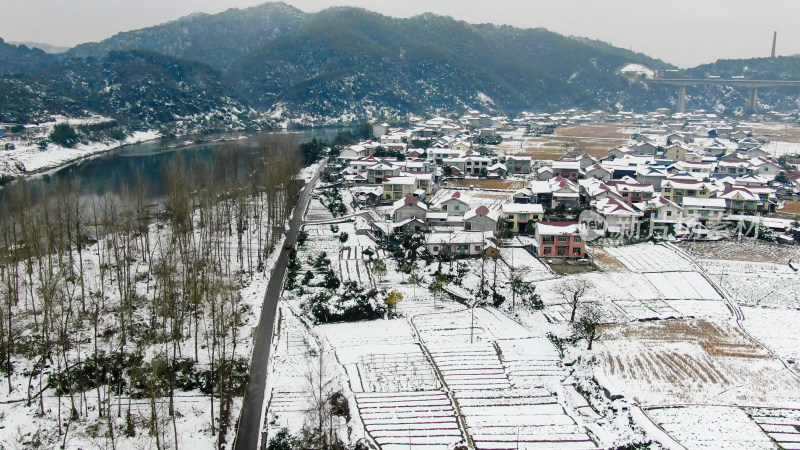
x=753, y=85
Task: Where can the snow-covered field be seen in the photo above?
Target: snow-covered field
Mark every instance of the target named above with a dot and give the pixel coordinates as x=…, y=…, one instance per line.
x=712, y=427
x=692, y=362
x=437, y=374
x=650, y=257
x=756, y=284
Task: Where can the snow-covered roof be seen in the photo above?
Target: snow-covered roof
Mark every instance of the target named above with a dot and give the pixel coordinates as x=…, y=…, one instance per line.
x=523, y=208
x=704, y=203
x=558, y=228
x=411, y=201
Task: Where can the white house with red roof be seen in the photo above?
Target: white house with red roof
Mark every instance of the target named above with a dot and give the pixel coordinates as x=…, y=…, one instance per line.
x=481, y=219
x=560, y=239
x=661, y=210
x=408, y=207
x=619, y=216
x=598, y=171
x=564, y=192
x=455, y=205
x=739, y=200
x=631, y=191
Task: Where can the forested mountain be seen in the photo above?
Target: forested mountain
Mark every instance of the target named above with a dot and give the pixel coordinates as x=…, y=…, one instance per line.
x=347, y=60
x=346, y=64
x=218, y=40
x=21, y=60
x=150, y=89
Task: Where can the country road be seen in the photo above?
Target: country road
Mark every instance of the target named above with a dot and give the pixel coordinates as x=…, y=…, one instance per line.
x=247, y=434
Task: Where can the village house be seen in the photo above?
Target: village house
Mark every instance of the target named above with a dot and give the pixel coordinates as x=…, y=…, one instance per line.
x=676, y=152
x=454, y=206
x=704, y=210
x=619, y=216
x=598, y=171
x=651, y=175
x=740, y=200
x=565, y=193
x=408, y=207
x=675, y=190
x=458, y=243
x=481, y=219
x=521, y=216
x=632, y=192
x=569, y=169
x=765, y=168
x=397, y=188
x=560, y=239
x=660, y=210
x=518, y=164
x=380, y=171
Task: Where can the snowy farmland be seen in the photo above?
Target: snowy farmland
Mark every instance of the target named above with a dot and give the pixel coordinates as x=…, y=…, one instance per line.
x=627, y=296
x=650, y=257
x=757, y=284
x=436, y=376
x=692, y=362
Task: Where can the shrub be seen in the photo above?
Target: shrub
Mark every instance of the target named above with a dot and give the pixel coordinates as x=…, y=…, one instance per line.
x=64, y=135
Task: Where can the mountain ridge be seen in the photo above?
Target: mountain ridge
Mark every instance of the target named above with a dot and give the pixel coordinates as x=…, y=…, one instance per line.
x=275, y=63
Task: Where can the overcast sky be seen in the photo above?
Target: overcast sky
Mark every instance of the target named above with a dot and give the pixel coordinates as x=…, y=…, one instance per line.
x=682, y=32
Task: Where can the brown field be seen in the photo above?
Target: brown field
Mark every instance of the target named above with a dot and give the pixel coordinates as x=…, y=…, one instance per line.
x=744, y=250
x=791, y=208
x=487, y=184
x=775, y=131
x=605, y=261
x=594, y=139
x=693, y=361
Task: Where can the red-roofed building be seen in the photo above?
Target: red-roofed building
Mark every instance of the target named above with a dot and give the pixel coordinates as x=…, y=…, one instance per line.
x=560, y=239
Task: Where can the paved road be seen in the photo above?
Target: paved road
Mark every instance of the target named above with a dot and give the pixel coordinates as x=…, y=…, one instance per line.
x=250, y=419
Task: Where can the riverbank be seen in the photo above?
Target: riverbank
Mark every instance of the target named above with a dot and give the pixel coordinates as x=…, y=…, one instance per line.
x=28, y=159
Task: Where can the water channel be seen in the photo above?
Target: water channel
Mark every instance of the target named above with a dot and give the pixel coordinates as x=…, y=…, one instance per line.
x=108, y=172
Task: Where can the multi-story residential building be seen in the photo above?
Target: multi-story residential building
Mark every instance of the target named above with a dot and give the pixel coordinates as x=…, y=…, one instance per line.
x=396, y=188
x=569, y=169
x=518, y=164
x=560, y=239
x=522, y=216
x=632, y=192
x=675, y=190
x=704, y=210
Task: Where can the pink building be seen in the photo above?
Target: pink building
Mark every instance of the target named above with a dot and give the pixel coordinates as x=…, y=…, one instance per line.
x=560, y=239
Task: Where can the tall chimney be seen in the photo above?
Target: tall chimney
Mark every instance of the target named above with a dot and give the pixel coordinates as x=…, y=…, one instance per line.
x=774, y=41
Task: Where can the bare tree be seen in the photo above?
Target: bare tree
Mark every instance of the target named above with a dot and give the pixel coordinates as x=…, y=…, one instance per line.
x=588, y=324
x=573, y=290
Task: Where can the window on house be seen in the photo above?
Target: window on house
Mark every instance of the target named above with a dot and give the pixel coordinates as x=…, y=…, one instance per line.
x=562, y=251
x=547, y=239
x=436, y=248
x=702, y=192
x=576, y=251
x=562, y=239
x=456, y=208
x=669, y=213
x=548, y=250
x=576, y=239
x=477, y=248
x=666, y=189
x=691, y=211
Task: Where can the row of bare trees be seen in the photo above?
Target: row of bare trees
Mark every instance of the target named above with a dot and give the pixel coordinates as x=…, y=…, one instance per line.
x=114, y=301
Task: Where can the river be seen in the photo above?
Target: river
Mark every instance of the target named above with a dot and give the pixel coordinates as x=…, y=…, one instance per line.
x=106, y=173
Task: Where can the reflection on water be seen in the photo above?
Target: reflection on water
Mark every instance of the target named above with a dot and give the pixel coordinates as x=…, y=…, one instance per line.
x=109, y=172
